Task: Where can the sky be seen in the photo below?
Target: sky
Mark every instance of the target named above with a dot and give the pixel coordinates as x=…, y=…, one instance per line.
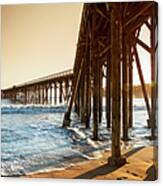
x=38, y=40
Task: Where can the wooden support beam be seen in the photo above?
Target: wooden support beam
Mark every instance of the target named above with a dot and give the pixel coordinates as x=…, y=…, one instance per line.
x=33, y=96
x=25, y=96
x=96, y=69
x=36, y=94
x=106, y=49
x=102, y=14
x=60, y=92
x=55, y=93
x=14, y=93
x=143, y=45
x=95, y=72
x=100, y=92
x=140, y=73
x=88, y=99
x=30, y=94
x=108, y=92
x=66, y=89
x=131, y=28
x=44, y=91
x=140, y=17
x=87, y=93
x=154, y=72
x=39, y=94
x=125, y=59
x=50, y=94
x=148, y=25
x=46, y=94
x=130, y=88
x=132, y=17
x=82, y=96
x=43, y=94
x=116, y=159
x=77, y=103
x=136, y=40
x=66, y=121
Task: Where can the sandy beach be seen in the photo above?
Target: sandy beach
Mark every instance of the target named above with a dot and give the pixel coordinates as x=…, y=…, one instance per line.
x=140, y=166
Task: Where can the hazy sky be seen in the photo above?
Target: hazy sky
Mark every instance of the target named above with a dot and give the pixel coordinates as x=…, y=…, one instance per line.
x=39, y=40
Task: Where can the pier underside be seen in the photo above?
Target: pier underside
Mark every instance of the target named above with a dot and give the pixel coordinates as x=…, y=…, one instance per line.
x=107, y=48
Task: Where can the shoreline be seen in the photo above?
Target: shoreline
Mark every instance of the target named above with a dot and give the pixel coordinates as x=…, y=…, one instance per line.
x=140, y=166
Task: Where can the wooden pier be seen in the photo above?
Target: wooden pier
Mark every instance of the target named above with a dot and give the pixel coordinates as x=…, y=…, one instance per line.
x=107, y=48
x=52, y=89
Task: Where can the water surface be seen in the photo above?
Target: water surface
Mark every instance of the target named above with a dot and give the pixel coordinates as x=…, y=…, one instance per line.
x=32, y=138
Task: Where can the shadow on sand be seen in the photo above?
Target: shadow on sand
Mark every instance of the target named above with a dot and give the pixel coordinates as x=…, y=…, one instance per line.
x=104, y=169
x=151, y=174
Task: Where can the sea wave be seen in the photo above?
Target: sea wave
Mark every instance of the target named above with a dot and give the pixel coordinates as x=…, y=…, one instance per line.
x=31, y=109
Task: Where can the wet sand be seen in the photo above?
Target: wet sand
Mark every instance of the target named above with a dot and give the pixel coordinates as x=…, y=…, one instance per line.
x=140, y=166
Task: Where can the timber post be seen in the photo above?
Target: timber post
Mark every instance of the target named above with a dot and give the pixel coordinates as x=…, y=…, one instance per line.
x=116, y=158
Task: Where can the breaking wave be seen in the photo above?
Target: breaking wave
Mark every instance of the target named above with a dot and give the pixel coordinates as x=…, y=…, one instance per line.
x=31, y=109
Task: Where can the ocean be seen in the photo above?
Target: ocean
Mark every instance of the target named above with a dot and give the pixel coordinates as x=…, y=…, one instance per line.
x=33, y=140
